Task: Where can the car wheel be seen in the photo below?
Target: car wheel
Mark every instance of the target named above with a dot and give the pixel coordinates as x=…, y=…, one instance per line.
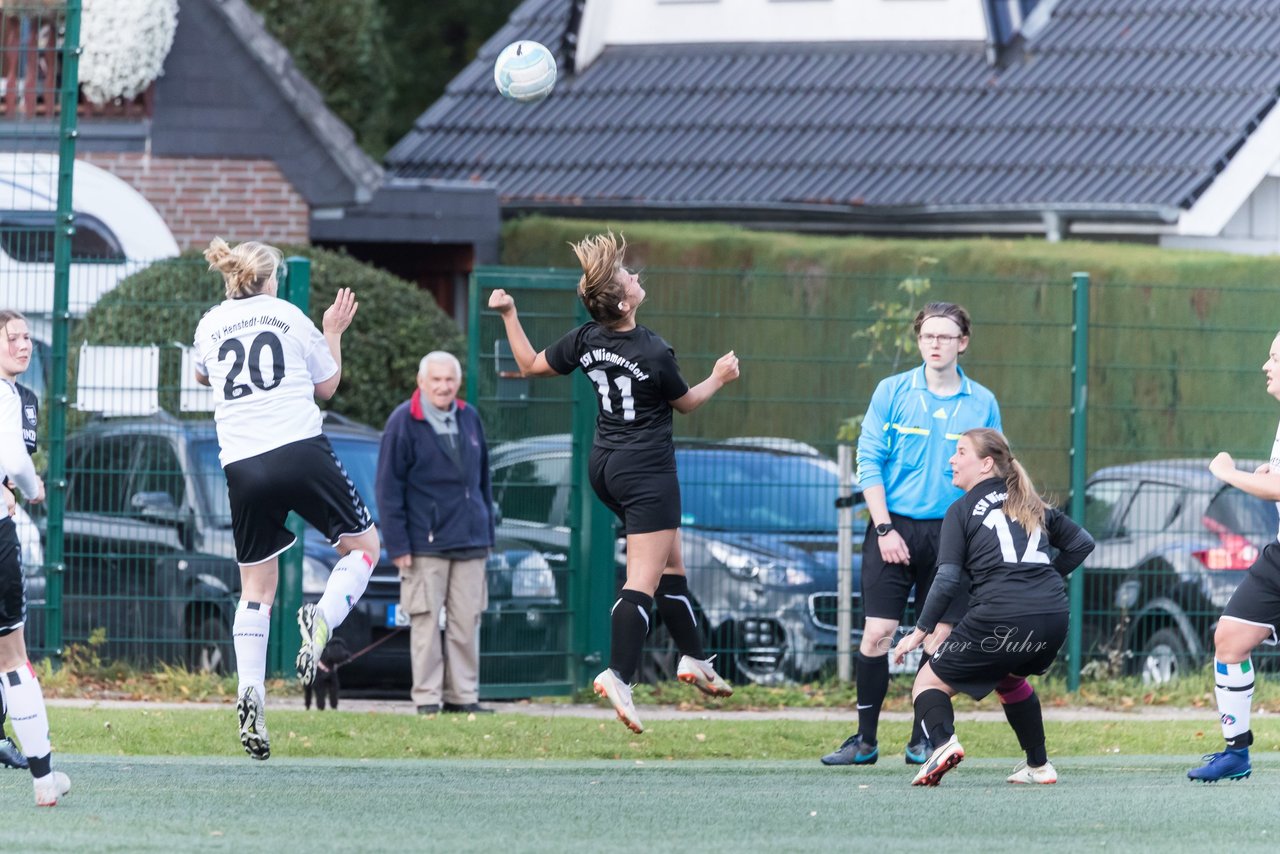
x=209, y=647
x=1164, y=657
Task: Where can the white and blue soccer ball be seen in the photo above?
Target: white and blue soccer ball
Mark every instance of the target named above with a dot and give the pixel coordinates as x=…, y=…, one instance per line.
x=525, y=71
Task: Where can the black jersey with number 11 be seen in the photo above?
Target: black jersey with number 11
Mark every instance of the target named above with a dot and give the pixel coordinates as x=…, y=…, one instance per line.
x=635, y=376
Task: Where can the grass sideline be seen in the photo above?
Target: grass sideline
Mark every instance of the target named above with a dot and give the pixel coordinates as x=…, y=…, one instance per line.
x=195, y=731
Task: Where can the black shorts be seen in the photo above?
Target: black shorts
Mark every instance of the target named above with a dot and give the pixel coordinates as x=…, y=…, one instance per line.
x=639, y=486
x=13, y=594
x=1257, y=600
x=306, y=477
x=980, y=652
x=886, y=587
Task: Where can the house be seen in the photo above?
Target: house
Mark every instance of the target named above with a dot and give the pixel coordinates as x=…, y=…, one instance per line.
x=232, y=140
x=1124, y=119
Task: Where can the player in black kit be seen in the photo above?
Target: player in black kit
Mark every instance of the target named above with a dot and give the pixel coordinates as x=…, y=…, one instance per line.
x=633, y=464
x=995, y=539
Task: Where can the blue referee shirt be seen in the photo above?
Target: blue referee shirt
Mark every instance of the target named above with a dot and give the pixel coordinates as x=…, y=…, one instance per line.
x=909, y=435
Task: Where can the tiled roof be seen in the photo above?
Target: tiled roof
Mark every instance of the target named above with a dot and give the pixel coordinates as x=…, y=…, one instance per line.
x=1123, y=105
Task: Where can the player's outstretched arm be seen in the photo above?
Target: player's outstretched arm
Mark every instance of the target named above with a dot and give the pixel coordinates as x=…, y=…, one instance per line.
x=1260, y=484
x=533, y=363
x=724, y=372
x=337, y=318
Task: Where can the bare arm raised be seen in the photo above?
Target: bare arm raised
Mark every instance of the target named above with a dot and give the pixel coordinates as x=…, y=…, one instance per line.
x=724, y=372
x=532, y=363
x=1260, y=483
x=337, y=318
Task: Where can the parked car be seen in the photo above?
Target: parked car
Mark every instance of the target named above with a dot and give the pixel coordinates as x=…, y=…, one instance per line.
x=759, y=540
x=150, y=559
x=1173, y=545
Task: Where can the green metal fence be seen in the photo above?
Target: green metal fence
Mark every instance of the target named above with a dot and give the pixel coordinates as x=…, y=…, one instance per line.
x=1088, y=379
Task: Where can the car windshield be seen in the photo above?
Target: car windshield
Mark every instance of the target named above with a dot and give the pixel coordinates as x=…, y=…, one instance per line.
x=359, y=457
x=745, y=491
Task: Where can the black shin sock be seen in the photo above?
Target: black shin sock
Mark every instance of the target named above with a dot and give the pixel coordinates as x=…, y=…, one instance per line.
x=872, y=680
x=630, y=625
x=936, y=715
x=676, y=609
x=917, y=733
x=1028, y=724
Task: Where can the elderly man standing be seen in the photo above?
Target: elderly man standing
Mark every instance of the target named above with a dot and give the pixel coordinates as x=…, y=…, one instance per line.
x=436, y=510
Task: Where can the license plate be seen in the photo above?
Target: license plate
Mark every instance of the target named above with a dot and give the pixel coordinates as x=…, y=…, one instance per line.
x=396, y=617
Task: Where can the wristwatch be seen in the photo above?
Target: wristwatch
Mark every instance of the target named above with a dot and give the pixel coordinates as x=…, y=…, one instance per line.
x=881, y=530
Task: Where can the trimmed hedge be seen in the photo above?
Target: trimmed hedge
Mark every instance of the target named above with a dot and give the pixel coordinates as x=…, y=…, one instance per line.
x=396, y=325
x=1176, y=337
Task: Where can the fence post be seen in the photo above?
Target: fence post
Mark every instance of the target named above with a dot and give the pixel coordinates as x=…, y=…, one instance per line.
x=1079, y=460
x=284, y=638
x=56, y=484
x=844, y=566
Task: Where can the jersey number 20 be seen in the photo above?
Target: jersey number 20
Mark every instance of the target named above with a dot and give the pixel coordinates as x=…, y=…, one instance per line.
x=231, y=390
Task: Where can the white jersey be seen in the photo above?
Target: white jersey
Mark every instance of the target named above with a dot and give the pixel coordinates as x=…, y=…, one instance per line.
x=15, y=462
x=1275, y=465
x=263, y=358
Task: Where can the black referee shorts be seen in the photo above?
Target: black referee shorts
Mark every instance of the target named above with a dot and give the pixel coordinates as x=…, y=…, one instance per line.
x=1257, y=600
x=980, y=652
x=639, y=486
x=13, y=595
x=306, y=477
x=886, y=587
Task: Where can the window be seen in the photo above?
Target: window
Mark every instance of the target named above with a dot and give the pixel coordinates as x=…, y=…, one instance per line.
x=1243, y=514
x=1153, y=509
x=157, y=469
x=1101, y=501
x=533, y=490
x=99, y=475
x=27, y=236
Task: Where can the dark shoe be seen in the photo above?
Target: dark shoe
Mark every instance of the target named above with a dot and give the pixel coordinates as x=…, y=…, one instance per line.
x=429, y=709
x=1227, y=765
x=917, y=752
x=854, y=751
x=466, y=709
x=10, y=755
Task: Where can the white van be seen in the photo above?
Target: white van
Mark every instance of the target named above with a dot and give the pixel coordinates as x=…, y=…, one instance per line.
x=117, y=233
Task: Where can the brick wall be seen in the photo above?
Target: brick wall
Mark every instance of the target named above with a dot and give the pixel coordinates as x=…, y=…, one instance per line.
x=203, y=198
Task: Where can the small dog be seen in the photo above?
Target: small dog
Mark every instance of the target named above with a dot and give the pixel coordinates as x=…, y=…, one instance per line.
x=334, y=656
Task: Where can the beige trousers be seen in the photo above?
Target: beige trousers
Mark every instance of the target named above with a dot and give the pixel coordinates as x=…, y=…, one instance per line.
x=448, y=672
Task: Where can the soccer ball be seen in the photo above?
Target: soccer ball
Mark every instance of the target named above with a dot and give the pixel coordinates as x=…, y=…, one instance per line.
x=525, y=72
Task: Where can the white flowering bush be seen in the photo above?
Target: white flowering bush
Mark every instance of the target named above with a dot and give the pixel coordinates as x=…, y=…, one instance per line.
x=125, y=45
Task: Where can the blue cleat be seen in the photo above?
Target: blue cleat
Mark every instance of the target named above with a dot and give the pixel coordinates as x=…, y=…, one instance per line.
x=1227, y=765
x=917, y=752
x=854, y=751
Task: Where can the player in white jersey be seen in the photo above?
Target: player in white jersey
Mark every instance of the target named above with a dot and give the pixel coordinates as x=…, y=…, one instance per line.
x=1251, y=616
x=266, y=363
x=19, y=686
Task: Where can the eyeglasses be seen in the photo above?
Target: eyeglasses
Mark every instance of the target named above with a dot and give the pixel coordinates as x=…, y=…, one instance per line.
x=939, y=339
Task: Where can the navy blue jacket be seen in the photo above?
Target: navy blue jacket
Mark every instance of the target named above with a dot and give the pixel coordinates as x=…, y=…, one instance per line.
x=427, y=504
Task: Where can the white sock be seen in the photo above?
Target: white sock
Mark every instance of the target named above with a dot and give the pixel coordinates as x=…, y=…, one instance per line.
x=1233, y=685
x=346, y=585
x=251, y=629
x=26, y=710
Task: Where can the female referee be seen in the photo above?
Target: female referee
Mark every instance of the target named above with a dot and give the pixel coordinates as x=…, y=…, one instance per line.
x=633, y=464
x=994, y=539
x=267, y=362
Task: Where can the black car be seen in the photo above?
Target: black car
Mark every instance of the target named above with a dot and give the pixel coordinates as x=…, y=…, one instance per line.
x=758, y=533
x=1174, y=542
x=150, y=562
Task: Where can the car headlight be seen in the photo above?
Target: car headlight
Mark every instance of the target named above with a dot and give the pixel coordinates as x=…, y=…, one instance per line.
x=532, y=578
x=1127, y=594
x=749, y=565
x=315, y=575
